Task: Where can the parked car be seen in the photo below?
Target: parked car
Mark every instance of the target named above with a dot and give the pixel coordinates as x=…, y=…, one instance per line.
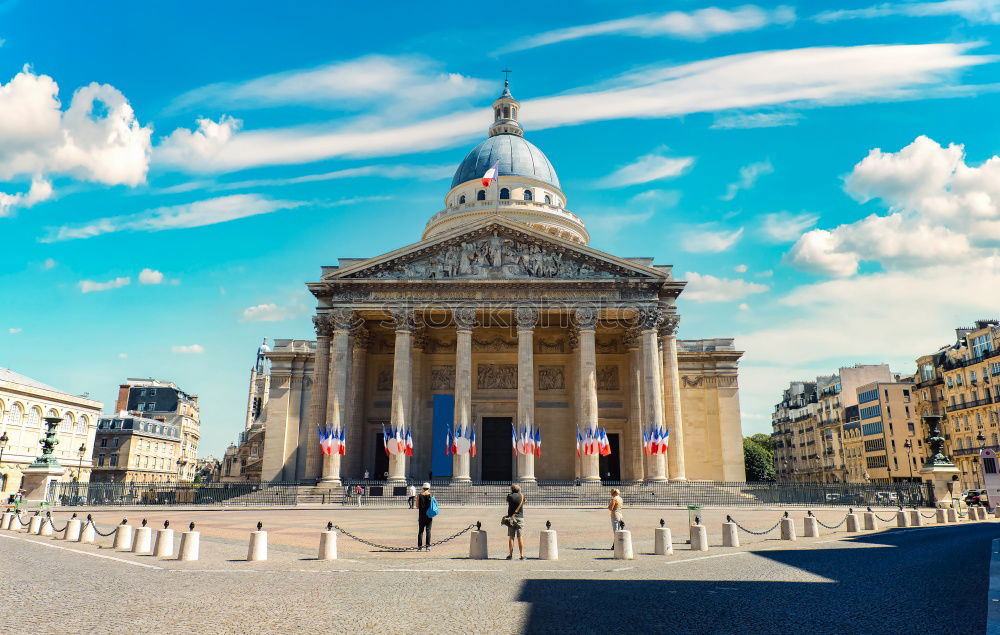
x=975, y=497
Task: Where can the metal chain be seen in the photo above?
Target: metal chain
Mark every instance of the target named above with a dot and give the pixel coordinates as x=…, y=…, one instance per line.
x=885, y=520
x=54, y=528
x=931, y=515
x=756, y=533
x=831, y=527
x=24, y=523
x=392, y=548
x=99, y=532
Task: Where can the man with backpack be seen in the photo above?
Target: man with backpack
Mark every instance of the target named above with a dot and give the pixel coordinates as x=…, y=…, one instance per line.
x=426, y=511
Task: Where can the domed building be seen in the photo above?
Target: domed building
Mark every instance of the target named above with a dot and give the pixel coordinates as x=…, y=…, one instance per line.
x=501, y=332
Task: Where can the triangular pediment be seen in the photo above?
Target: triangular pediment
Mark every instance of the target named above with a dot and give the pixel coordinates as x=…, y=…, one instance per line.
x=496, y=249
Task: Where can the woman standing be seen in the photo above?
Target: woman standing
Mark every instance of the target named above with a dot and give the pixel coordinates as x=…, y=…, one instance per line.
x=423, y=520
x=615, y=507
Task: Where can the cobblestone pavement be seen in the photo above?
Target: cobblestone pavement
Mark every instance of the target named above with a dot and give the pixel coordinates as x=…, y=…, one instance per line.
x=884, y=581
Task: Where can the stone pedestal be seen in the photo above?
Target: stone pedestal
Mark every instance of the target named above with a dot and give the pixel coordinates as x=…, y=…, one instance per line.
x=87, y=533
x=5, y=520
x=123, y=538
x=258, y=546
x=37, y=481
x=327, y=546
x=46, y=528
x=164, y=546
x=901, y=519
x=730, y=537
x=548, y=547
x=663, y=542
x=810, y=527
x=143, y=543
x=787, y=529
x=35, y=524
x=941, y=479
x=952, y=515
x=699, y=538
x=941, y=515
x=623, y=545
x=871, y=523
x=190, y=546
x=72, y=531
x=915, y=518
x=478, y=548
x=852, y=523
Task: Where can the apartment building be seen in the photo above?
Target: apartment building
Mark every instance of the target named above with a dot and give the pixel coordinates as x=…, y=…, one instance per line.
x=132, y=449
x=159, y=399
x=891, y=436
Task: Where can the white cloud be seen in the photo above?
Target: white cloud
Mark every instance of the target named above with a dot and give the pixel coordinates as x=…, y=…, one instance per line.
x=150, y=276
x=706, y=288
x=748, y=177
x=740, y=268
x=88, y=286
x=122, y=355
x=49, y=263
x=196, y=214
x=975, y=11
x=696, y=25
x=657, y=198
x=805, y=77
x=708, y=241
x=14, y=331
x=414, y=172
x=744, y=306
x=940, y=210
x=190, y=349
x=97, y=138
x=649, y=167
x=612, y=223
x=268, y=313
x=784, y=227
x=756, y=120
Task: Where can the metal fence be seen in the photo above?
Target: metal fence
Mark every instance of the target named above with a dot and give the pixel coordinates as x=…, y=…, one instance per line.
x=563, y=494
x=224, y=494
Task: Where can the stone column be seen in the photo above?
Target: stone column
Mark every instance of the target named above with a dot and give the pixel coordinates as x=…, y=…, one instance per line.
x=355, y=418
x=672, y=408
x=318, y=396
x=337, y=397
x=586, y=321
x=656, y=469
x=465, y=319
x=421, y=461
x=633, y=344
x=526, y=320
x=402, y=367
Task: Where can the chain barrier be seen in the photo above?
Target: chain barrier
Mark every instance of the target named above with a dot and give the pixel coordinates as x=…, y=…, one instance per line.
x=98, y=531
x=928, y=516
x=885, y=520
x=26, y=521
x=48, y=519
x=832, y=527
x=751, y=531
x=399, y=549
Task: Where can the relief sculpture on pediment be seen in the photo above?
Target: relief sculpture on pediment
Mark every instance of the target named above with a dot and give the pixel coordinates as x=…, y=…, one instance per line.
x=551, y=378
x=496, y=377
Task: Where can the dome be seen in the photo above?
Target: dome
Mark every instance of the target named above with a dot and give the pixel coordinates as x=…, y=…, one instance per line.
x=515, y=155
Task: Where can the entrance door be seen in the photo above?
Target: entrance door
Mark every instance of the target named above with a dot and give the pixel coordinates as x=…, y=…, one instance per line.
x=611, y=466
x=496, y=452
x=381, y=458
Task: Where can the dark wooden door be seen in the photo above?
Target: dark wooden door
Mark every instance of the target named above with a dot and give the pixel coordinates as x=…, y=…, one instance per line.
x=611, y=466
x=495, y=449
x=381, y=458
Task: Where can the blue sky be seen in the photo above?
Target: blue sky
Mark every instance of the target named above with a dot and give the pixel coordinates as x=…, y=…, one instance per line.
x=824, y=174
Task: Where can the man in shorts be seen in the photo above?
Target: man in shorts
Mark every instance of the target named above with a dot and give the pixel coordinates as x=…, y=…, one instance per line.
x=515, y=511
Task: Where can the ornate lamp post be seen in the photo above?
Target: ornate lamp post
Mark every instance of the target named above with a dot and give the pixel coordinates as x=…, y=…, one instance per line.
x=975, y=459
x=909, y=459
x=79, y=469
x=3, y=444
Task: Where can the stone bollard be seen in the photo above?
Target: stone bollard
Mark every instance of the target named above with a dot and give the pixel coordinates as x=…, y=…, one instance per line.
x=258, y=544
x=981, y=513
x=35, y=524
x=901, y=519
x=548, y=546
x=623, y=545
x=163, y=547
x=478, y=547
x=327, y=544
x=72, y=532
x=87, y=533
x=915, y=520
x=663, y=542
x=996, y=512
x=699, y=536
x=123, y=537
x=941, y=515
x=5, y=520
x=730, y=537
x=46, y=529
x=810, y=526
x=143, y=542
x=871, y=523
x=190, y=544
x=852, y=523
x=952, y=515
x=787, y=528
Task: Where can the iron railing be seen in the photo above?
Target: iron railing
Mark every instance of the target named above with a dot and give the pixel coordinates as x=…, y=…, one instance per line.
x=225, y=494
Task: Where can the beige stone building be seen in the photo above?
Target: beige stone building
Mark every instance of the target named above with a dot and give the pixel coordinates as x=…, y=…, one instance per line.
x=24, y=405
x=501, y=318
x=132, y=449
x=161, y=399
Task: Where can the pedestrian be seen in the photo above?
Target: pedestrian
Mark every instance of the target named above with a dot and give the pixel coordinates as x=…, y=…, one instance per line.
x=617, y=520
x=411, y=495
x=514, y=520
x=358, y=490
x=366, y=475
x=424, y=516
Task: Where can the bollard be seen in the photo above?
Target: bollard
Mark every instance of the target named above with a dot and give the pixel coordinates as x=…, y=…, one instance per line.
x=663, y=542
x=327, y=545
x=852, y=523
x=871, y=523
x=143, y=541
x=46, y=529
x=810, y=526
x=623, y=545
x=258, y=545
x=699, y=536
x=163, y=547
x=952, y=515
x=35, y=524
x=901, y=519
x=996, y=512
x=87, y=533
x=190, y=542
x=123, y=538
x=729, y=536
x=941, y=515
x=5, y=520
x=478, y=549
x=72, y=533
x=787, y=529
x=981, y=513
x=548, y=547
x=915, y=518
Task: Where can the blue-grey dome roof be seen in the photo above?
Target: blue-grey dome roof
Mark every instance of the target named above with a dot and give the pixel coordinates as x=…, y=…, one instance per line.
x=516, y=155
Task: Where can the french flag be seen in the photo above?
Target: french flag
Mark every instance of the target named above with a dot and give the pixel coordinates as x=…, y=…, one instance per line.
x=324, y=439
x=605, y=444
x=665, y=441
x=513, y=438
x=538, y=441
x=491, y=174
x=448, y=443
x=409, y=444
x=579, y=441
x=342, y=446
x=472, y=441
x=385, y=440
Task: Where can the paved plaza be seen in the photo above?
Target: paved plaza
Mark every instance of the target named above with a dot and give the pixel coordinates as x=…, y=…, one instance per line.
x=886, y=581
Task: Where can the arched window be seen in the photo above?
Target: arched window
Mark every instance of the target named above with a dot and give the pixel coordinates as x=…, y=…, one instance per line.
x=506, y=112
x=527, y=195
x=504, y=194
x=68, y=422
x=461, y=199
x=496, y=111
x=481, y=195
x=513, y=113
x=82, y=425
x=15, y=415
x=548, y=200
x=35, y=418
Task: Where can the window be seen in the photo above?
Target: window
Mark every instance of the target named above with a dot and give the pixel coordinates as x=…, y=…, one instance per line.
x=35, y=417
x=548, y=201
x=461, y=199
x=995, y=368
x=868, y=429
x=100, y=460
x=878, y=460
x=152, y=392
x=104, y=443
x=910, y=428
x=982, y=345
x=972, y=376
x=868, y=395
x=114, y=460
x=114, y=442
x=481, y=195
x=871, y=411
x=142, y=406
x=951, y=381
x=504, y=194
x=527, y=195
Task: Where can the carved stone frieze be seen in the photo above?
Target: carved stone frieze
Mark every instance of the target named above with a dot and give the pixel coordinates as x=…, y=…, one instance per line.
x=585, y=318
x=551, y=378
x=439, y=345
x=573, y=339
x=496, y=344
x=443, y=378
x=607, y=378
x=606, y=345
x=496, y=376
x=420, y=339
x=383, y=379
x=709, y=381
x=527, y=317
x=551, y=345
x=464, y=317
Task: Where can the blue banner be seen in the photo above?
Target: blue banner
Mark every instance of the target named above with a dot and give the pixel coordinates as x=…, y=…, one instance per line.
x=444, y=414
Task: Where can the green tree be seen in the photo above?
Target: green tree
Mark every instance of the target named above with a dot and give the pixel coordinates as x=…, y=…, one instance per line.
x=763, y=440
x=758, y=460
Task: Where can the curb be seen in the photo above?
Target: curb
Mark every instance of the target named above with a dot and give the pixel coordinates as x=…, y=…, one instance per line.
x=993, y=594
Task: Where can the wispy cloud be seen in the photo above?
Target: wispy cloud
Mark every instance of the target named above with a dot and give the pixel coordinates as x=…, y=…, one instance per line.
x=748, y=177
x=14, y=330
x=785, y=227
x=709, y=241
x=650, y=167
x=268, y=313
x=694, y=25
x=707, y=288
x=420, y=172
x=975, y=11
x=756, y=120
x=89, y=286
x=50, y=263
x=810, y=76
x=196, y=214
x=150, y=276
x=188, y=349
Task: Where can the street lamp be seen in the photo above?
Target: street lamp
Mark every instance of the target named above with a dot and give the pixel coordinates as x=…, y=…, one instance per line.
x=79, y=467
x=3, y=444
x=909, y=460
x=975, y=459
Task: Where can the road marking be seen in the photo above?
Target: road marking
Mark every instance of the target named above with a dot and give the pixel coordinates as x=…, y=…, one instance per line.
x=718, y=555
x=620, y=569
x=86, y=553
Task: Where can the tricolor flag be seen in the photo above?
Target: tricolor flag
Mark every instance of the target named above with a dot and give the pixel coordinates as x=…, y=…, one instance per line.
x=472, y=441
x=342, y=446
x=491, y=174
x=385, y=440
x=538, y=441
x=409, y=444
x=513, y=438
x=579, y=441
x=665, y=441
x=605, y=443
x=448, y=443
x=645, y=442
x=324, y=439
